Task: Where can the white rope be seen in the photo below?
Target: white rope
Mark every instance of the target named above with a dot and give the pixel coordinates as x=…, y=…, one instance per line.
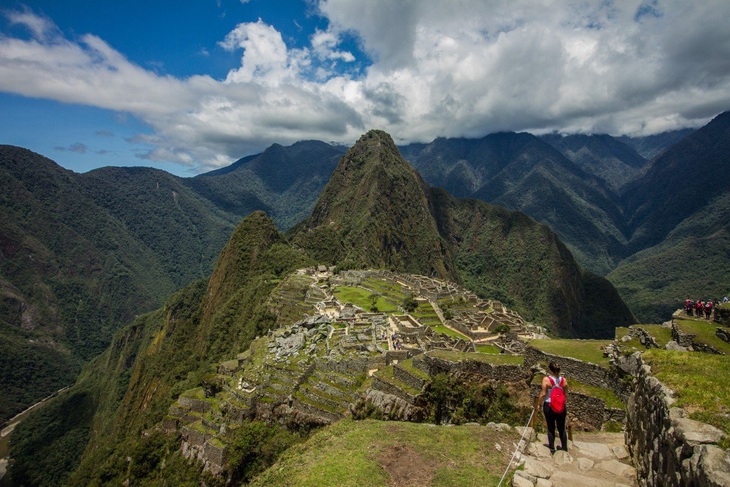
x=519, y=445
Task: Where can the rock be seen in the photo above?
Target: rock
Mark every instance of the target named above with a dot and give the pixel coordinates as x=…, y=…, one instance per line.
x=596, y=451
x=562, y=457
x=620, y=452
x=695, y=432
x=714, y=461
x=672, y=345
x=538, y=469
x=585, y=464
x=543, y=483
x=539, y=450
x=617, y=468
x=519, y=481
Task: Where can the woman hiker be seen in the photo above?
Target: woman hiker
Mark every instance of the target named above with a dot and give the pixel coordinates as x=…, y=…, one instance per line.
x=552, y=398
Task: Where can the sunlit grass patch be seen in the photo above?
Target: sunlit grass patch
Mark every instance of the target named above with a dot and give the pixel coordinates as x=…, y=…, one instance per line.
x=699, y=381
x=585, y=350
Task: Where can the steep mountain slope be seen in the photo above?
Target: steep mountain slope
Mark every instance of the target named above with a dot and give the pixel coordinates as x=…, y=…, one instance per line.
x=680, y=225
x=601, y=155
x=163, y=353
x=521, y=172
x=678, y=184
x=374, y=212
x=651, y=146
x=70, y=275
x=282, y=181
x=184, y=230
x=81, y=255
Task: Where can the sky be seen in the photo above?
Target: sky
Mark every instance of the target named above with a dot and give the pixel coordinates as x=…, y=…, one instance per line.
x=193, y=86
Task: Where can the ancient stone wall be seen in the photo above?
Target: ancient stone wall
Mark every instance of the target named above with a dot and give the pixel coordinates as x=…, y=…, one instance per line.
x=723, y=334
x=586, y=411
x=496, y=372
x=409, y=378
x=584, y=372
x=669, y=449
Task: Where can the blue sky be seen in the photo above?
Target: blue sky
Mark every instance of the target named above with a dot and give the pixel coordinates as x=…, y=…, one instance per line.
x=193, y=86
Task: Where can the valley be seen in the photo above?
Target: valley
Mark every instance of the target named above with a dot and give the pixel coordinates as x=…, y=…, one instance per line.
x=392, y=300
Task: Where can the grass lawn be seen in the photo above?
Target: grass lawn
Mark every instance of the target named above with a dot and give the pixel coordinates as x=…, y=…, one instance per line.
x=499, y=359
x=449, y=332
x=585, y=350
x=490, y=349
x=661, y=334
x=373, y=453
x=699, y=381
x=362, y=297
x=705, y=333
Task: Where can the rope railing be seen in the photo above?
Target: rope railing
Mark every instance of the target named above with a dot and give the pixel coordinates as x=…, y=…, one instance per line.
x=520, y=445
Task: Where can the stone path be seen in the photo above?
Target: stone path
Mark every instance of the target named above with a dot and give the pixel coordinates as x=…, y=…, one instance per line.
x=592, y=460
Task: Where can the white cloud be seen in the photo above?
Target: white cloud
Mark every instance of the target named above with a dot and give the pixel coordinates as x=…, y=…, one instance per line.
x=436, y=68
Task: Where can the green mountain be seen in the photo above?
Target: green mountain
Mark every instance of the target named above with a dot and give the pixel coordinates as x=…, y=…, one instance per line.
x=81, y=256
x=282, y=181
x=680, y=223
x=376, y=211
x=604, y=156
x=522, y=172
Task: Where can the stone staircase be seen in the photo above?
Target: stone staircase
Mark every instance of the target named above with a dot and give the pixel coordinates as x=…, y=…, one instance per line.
x=592, y=460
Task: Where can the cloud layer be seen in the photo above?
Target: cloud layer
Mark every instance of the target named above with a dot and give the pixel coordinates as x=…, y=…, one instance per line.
x=435, y=68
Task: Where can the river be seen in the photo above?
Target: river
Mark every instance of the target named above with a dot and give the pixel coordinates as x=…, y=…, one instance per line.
x=5, y=436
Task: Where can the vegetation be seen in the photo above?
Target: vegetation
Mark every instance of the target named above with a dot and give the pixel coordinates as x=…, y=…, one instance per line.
x=699, y=382
x=364, y=299
x=704, y=333
x=586, y=350
x=452, y=400
x=396, y=453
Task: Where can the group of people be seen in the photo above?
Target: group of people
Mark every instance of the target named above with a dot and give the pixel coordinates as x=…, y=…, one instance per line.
x=699, y=308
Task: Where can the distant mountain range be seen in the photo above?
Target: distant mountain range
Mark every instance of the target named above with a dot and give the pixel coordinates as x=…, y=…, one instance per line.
x=82, y=254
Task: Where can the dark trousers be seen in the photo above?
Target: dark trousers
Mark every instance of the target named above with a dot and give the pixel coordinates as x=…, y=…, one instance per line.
x=554, y=419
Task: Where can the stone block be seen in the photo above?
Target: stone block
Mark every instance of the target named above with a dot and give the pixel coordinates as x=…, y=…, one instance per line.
x=538, y=469
x=519, y=481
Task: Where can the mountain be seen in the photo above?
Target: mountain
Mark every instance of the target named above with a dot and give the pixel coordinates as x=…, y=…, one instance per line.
x=650, y=146
x=81, y=255
x=376, y=211
x=524, y=173
x=604, y=156
x=282, y=181
x=680, y=224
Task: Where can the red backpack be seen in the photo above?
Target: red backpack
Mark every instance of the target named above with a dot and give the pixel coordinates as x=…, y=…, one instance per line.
x=557, y=395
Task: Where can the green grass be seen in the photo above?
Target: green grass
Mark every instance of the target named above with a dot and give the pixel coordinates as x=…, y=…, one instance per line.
x=408, y=365
x=362, y=297
x=585, y=350
x=490, y=349
x=705, y=333
x=379, y=454
x=426, y=315
x=386, y=374
x=500, y=359
x=449, y=332
x=661, y=334
x=699, y=382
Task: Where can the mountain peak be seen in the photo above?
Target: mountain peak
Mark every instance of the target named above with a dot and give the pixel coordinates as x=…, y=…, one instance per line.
x=376, y=211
